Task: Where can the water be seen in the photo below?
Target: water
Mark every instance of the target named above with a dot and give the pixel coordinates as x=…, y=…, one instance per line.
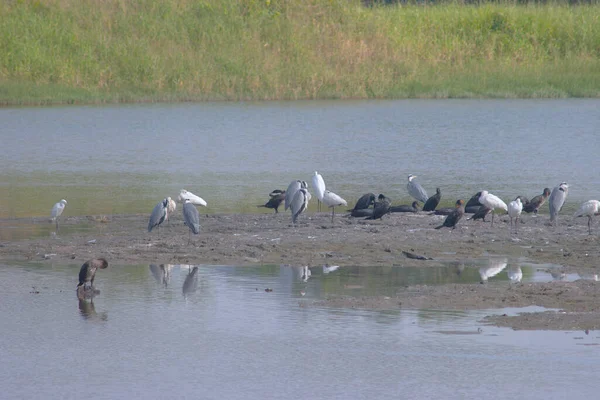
x=226, y=337
x=125, y=158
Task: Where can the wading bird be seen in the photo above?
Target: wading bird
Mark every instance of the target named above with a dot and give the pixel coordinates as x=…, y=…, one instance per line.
x=433, y=201
x=191, y=218
x=319, y=186
x=416, y=190
x=364, y=201
x=492, y=202
x=515, y=208
x=57, y=210
x=87, y=273
x=556, y=200
x=197, y=200
x=277, y=197
x=171, y=207
x=589, y=209
x=159, y=214
x=538, y=201
x=331, y=200
x=299, y=203
x=293, y=187
x=413, y=208
x=452, y=219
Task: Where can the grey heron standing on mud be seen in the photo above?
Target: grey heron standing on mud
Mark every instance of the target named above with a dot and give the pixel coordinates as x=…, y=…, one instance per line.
x=290, y=193
x=159, y=214
x=416, y=190
x=57, y=210
x=299, y=203
x=191, y=218
x=556, y=200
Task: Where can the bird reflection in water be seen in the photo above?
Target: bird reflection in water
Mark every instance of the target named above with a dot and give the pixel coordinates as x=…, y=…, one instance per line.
x=494, y=267
x=88, y=310
x=191, y=282
x=162, y=273
x=515, y=274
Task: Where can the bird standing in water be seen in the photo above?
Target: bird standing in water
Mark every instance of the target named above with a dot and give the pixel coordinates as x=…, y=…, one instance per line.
x=87, y=273
x=453, y=218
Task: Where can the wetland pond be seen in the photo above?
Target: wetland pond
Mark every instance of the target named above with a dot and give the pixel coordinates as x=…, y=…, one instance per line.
x=214, y=332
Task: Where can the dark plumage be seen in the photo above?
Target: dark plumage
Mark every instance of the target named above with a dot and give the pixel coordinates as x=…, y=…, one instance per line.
x=444, y=211
x=87, y=273
x=158, y=214
x=382, y=207
x=452, y=219
x=365, y=201
x=472, y=209
x=277, y=197
x=534, y=205
x=413, y=208
x=473, y=201
x=364, y=212
x=433, y=201
x=481, y=213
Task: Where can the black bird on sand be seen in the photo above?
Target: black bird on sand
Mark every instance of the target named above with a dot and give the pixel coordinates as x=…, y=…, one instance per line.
x=364, y=212
x=277, y=197
x=534, y=205
x=433, y=201
x=452, y=219
x=364, y=202
x=87, y=273
x=481, y=213
x=473, y=204
x=382, y=207
x=413, y=208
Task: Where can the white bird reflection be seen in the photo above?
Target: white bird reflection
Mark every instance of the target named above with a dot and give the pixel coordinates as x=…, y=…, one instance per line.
x=302, y=273
x=495, y=266
x=515, y=274
x=162, y=273
x=330, y=268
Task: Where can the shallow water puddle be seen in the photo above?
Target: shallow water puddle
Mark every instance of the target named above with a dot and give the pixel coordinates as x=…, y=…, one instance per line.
x=164, y=331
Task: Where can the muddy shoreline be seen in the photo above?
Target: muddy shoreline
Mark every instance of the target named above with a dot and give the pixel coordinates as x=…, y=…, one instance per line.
x=250, y=239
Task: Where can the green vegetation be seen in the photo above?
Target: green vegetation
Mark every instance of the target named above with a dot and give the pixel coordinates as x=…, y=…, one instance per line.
x=78, y=51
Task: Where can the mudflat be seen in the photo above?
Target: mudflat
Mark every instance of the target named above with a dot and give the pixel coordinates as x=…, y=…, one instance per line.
x=249, y=239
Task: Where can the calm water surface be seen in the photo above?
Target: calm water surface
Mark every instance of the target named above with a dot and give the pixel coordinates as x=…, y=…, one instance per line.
x=125, y=158
x=156, y=333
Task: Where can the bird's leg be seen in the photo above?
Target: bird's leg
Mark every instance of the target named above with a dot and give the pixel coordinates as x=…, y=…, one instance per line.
x=589, y=225
x=492, y=217
x=517, y=226
x=332, y=213
x=56, y=224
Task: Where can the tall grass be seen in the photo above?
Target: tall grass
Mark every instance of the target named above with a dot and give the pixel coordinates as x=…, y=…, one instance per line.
x=54, y=51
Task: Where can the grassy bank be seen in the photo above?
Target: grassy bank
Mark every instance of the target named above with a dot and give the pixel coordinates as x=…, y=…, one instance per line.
x=71, y=51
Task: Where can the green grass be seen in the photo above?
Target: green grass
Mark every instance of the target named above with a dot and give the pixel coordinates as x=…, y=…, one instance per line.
x=82, y=51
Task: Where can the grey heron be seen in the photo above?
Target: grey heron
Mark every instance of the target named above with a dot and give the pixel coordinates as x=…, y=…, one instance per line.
x=589, y=209
x=364, y=201
x=57, y=210
x=299, y=203
x=191, y=218
x=87, y=273
x=331, y=200
x=416, y=190
x=293, y=187
x=538, y=201
x=432, y=202
x=197, y=200
x=556, y=200
x=382, y=207
x=515, y=208
x=413, y=208
x=319, y=187
x=277, y=197
x=159, y=214
x=453, y=218
x=492, y=202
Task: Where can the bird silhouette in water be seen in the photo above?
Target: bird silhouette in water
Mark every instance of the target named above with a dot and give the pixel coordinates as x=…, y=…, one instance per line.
x=277, y=197
x=433, y=201
x=534, y=205
x=382, y=207
x=452, y=219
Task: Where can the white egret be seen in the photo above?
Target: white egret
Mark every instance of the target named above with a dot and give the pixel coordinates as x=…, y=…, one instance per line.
x=589, y=209
x=159, y=213
x=331, y=200
x=492, y=202
x=197, y=200
x=538, y=201
x=515, y=208
x=416, y=190
x=171, y=207
x=319, y=187
x=191, y=218
x=556, y=200
x=57, y=210
x=299, y=203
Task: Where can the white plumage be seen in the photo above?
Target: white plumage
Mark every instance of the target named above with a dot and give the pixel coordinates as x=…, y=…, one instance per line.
x=171, y=207
x=492, y=202
x=57, y=210
x=588, y=209
x=331, y=200
x=515, y=208
x=319, y=187
x=515, y=274
x=197, y=200
x=494, y=267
